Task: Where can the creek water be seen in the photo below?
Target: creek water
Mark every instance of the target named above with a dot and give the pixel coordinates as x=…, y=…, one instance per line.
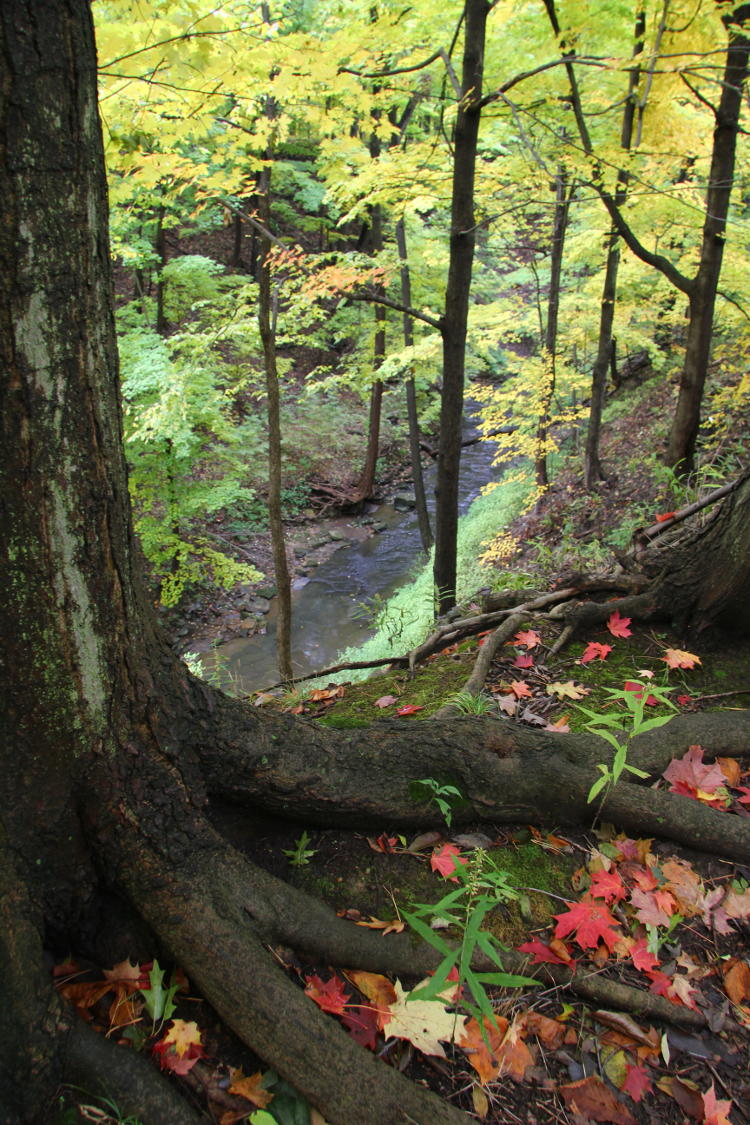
x=329, y=608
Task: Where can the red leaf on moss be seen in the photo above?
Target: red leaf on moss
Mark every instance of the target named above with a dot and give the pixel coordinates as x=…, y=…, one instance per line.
x=665, y=516
x=530, y=638
x=445, y=859
x=409, y=709
x=594, y=650
x=607, y=885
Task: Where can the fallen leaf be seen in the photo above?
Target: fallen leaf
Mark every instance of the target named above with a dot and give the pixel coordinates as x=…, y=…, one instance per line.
x=378, y=990
x=423, y=1022
x=594, y=650
x=715, y=1112
x=731, y=769
x=180, y=1048
x=736, y=975
x=607, y=885
x=590, y=922
x=568, y=690
x=685, y=1093
x=523, y=660
x=693, y=777
x=541, y=953
x=521, y=689
x=653, y=908
x=637, y=1082
x=385, y=701
x=507, y=1053
x=383, y=843
x=530, y=638
x=639, y=691
x=618, y=626
x=362, y=1024
x=409, y=709
x=328, y=995
x=250, y=1088
x=561, y=726
x=550, y=1033
x=677, y=658
x=445, y=860
x=591, y=1098
x=665, y=516
x=507, y=703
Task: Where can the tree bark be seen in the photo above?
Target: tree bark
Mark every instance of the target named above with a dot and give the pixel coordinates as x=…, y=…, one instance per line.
x=462, y=238
x=687, y=415
x=592, y=469
x=267, y=326
x=415, y=452
x=563, y=197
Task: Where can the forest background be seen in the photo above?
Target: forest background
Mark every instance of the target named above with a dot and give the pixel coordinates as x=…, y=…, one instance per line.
x=316, y=145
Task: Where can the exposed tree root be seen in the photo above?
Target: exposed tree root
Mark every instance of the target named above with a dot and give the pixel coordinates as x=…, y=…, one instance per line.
x=96, y=1065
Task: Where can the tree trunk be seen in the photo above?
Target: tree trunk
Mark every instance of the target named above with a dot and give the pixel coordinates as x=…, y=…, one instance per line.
x=367, y=479
x=112, y=749
x=462, y=238
x=267, y=326
x=415, y=452
x=592, y=469
x=686, y=420
x=563, y=197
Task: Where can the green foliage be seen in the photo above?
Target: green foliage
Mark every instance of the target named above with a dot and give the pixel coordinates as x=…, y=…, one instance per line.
x=482, y=886
x=300, y=855
x=446, y=797
x=631, y=724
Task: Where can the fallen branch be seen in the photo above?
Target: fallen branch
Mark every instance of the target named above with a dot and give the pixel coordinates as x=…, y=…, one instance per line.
x=644, y=535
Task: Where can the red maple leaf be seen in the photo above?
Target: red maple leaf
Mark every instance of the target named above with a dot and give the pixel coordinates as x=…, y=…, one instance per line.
x=664, y=517
x=445, y=859
x=409, y=709
x=693, y=777
x=638, y=691
x=361, y=1022
x=590, y=922
x=180, y=1047
x=594, y=650
x=715, y=1112
x=521, y=689
x=618, y=626
x=607, y=885
x=523, y=660
x=642, y=957
x=530, y=638
x=637, y=1082
x=653, y=908
x=541, y=953
x=330, y=996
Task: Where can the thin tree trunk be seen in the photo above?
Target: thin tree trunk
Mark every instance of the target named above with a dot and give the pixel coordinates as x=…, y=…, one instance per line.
x=415, y=452
x=267, y=325
x=454, y=323
x=563, y=197
x=160, y=246
x=367, y=479
x=592, y=469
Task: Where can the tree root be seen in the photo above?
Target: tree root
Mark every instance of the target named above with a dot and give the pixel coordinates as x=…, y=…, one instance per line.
x=98, y=1066
x=198, y=915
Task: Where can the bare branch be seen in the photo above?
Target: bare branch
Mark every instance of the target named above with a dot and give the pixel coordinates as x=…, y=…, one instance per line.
x=377, y=299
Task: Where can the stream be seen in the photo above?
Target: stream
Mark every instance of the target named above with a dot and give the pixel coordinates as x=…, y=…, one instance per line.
x=329, y=608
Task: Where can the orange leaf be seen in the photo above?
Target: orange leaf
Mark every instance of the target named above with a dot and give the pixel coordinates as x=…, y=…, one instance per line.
x=530, y=638
x=678, y=658
x=521, y=689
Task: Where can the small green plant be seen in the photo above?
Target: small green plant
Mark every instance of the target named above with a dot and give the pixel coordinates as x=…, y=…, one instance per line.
x=630, y=724
x=446, y=797
x=469, y=704
x=300, y=855
x=482, y=886
x=91, y=1107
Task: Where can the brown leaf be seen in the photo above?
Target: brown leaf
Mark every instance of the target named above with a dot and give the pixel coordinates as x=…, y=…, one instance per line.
x=250, y=1088
x=685, y=1093
x=591, y=1098
x=736, y=980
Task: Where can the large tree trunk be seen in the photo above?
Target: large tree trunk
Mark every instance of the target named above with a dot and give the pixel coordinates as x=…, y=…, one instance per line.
x=112, y=749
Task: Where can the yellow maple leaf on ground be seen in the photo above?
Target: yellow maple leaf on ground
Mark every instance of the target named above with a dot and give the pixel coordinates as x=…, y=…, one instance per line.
x=423, y=1022
x=250, y=1087
x=569, y=690
x=182, y=1035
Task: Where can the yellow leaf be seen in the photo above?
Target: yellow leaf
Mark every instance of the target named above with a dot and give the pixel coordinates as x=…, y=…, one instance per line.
x=569, y=690
x=423, y=1022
